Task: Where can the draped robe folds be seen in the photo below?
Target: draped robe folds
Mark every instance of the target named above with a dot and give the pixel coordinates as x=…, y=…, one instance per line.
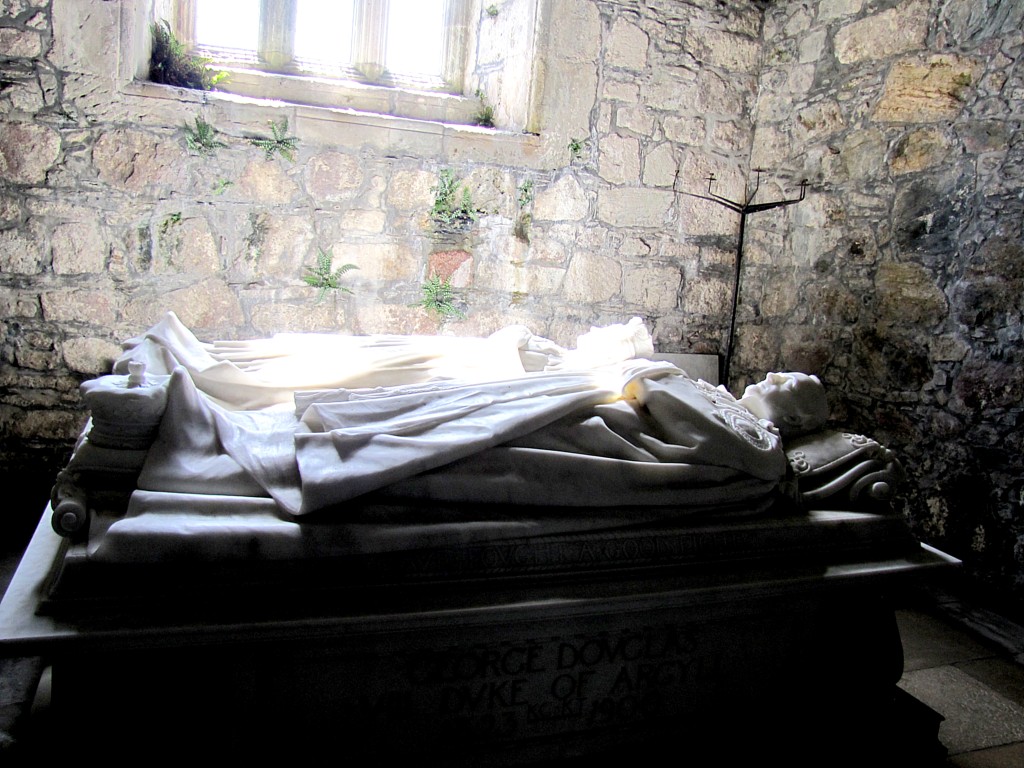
x=633, y=434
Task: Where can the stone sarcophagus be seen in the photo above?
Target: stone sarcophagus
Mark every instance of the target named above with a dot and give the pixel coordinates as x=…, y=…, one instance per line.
x=603, y=560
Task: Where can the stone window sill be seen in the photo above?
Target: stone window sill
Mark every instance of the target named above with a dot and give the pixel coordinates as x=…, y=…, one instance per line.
x=361, y=126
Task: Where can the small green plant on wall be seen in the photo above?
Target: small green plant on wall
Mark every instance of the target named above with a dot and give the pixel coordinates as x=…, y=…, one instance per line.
x=492, y=10
x=484, y=116
x=171, y=64
x=279, y=143
x=438, y=299
x=324, y=276
x=576, y=147
x=201, y=138
x=453, y=209
x=170, y=221
x=525, y=218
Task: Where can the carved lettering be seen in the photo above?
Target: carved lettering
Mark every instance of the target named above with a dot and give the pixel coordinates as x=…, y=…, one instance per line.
x=466, y=664
x=552, y=684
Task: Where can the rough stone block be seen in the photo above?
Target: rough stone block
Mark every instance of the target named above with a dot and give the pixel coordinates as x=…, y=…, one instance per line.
x=634, y=207
x=85, y=36
x=565, y=200
x=208, y=307
x=719, y=48
x=360, y=220
x=619, y=159
x=577, y=36
x=78, y=248
x=90, y=355
x=863, y=154
x=812, y=46
x=885, y=34
x=685, y=130
x=907, y=293
x=985, y=383
x=592, y=278
x=378, y=317
x=821, y=119
x=711, y=297
x=675, y=92
x=725, y=97
x=329, y=315
x=926, y=90
x=526, y=280
x=830, y=304
x=627, y=92
x=493, y=191
x=652, y=289
x=21, y=253
x=635, y=120
x=660, y=166
x=984, y=135
x=267, y=181
x=91, y=306
x=627, y=46
x=730, y=136
x=569, y=96
x=948, y=348
x=445, y=264
x=137, y=161
x=918, y=150
x=18, y=303
x=333, y=176
x=276, y=247
x=833, y=9
x=550, y=250
x=20, y=43
x=702, y=217
x=27, y=151
x=412, y=190
x=186, y=246
x=380, y=262
x=55, y=424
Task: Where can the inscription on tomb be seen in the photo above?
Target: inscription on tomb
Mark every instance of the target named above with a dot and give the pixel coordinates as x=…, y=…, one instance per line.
x=510, y=689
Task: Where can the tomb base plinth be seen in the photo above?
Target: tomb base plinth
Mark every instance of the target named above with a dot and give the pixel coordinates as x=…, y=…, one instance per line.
x=735, y=657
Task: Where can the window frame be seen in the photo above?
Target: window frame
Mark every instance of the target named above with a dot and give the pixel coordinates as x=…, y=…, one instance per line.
x=275, y=48
x=425, y=125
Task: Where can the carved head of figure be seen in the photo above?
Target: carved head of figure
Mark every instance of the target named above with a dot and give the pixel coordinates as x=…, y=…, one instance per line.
x=794, y=402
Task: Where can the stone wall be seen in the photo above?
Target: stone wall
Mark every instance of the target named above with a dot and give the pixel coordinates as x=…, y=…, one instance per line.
x=900, y=279
x=107, y=219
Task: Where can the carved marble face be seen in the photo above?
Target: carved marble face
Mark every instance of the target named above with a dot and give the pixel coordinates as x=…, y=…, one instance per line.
x=794, y=402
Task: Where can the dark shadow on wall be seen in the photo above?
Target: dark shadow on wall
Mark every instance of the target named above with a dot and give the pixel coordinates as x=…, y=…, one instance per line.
x=26, y=480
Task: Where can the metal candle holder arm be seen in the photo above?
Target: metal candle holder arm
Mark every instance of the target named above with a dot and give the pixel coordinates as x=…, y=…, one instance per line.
x=744, y=208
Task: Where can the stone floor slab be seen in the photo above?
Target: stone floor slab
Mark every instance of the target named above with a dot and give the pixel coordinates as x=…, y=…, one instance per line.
x=976, y=716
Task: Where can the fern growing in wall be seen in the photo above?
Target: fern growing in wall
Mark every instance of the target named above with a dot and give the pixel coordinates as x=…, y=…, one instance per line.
x=201, y=137
x=324, y=276
x=438, y=299
x=453, y=209
x=171, y=64
x=279, y=143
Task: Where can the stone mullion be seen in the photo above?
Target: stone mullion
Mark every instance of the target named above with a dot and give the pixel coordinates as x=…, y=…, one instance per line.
x=277, y=33
x=370, y=37
x=453, y=55
x=185, y=22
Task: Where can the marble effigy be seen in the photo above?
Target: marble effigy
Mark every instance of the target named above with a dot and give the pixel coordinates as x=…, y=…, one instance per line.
x=508, y=419
x=463, y=454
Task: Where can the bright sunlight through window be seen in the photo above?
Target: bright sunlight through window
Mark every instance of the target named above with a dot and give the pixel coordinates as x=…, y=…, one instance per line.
x=406, y=38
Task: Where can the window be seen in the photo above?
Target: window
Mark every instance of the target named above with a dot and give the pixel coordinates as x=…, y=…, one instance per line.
x=369, y=63
x=414, y=44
